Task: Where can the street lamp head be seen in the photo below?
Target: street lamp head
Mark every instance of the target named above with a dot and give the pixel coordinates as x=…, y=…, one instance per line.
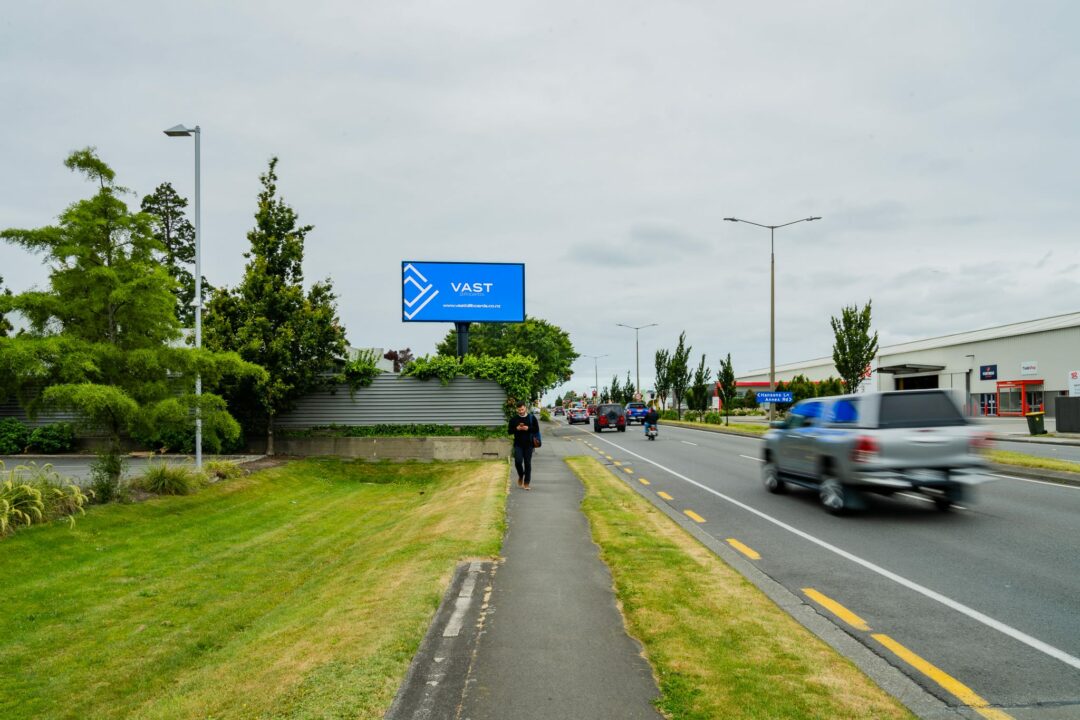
x=179, y=131
x=732, y=219
x=812, y=218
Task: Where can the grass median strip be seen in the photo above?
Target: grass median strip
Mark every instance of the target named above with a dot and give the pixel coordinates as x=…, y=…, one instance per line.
x=1008, y=457
x=719, y=647
x=300, y=591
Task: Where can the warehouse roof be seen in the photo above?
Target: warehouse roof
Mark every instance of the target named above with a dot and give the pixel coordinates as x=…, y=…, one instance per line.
x=1056, y=322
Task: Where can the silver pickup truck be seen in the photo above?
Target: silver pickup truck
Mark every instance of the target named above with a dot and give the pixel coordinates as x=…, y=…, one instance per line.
x=887, y=442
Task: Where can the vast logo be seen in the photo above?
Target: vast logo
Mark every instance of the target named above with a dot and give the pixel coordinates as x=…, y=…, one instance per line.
x=471, y=288
x=423, y=290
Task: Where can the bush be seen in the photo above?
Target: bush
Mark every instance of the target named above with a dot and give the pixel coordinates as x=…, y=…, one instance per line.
x=165, y=479
x=545, y=416
x=55, y=438
x=14, y=437
x=713, y=418
x=222, y=470
x=105, y=474
x=669, y=415
x=30, y=494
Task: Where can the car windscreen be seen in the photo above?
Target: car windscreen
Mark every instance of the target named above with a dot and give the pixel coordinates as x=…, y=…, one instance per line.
x=912, y=409
x=636, y=406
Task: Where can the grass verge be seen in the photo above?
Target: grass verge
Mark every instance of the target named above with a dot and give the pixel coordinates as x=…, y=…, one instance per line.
x=742, y=428
x=1007, y=457
x=719, y=647
x=301, y=591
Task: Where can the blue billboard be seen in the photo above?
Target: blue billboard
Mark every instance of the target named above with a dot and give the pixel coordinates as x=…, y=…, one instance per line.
x=462, y=292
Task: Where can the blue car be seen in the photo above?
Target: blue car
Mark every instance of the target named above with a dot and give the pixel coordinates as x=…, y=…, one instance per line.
x=635, y=413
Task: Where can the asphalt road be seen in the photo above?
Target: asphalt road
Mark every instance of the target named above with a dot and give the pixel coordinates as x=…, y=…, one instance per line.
x=987, y=596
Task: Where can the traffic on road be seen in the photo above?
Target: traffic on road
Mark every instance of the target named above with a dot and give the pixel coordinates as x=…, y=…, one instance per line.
x=978, y=605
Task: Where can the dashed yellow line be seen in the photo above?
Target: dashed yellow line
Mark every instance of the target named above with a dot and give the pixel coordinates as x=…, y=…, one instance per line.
x=836, y=609
x=965, y=694
x=628, y=470
x=643, y=481
x=665, y=495
x=744, y=549
x=617, y=464
x=693, y=516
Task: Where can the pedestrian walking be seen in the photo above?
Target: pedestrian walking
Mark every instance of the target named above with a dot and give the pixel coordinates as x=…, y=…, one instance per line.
x=526, y=431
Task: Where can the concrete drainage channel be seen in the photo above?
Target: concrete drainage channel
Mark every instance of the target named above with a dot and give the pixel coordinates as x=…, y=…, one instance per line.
x=436, y=681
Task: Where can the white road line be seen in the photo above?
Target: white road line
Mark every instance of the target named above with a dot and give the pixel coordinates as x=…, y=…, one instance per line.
x=687, y=442
x=972, y=613
x=923, y=498
x=748, y=457
x=1037, y=482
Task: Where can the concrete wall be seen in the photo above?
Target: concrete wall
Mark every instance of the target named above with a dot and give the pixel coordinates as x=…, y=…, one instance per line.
x=397, y=448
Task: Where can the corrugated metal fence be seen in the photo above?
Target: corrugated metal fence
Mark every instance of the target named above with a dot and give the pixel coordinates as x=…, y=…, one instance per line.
x=396, y=400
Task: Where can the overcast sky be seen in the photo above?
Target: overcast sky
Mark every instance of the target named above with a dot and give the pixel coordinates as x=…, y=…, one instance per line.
x=600, y=143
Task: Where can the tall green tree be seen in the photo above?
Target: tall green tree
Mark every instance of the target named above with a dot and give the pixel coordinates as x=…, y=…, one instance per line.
x=679, y=372
x=698, y=394
x=5, y=324
x=270, y=321
x=548, y=344
x=176, y=235
x=662, y=364
x=854, y=348
x=628, y=390
x=616, y=391
x=102, y=336
x=726, y=386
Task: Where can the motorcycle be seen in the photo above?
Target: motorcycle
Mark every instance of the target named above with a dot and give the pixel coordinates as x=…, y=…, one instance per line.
x=650, y=432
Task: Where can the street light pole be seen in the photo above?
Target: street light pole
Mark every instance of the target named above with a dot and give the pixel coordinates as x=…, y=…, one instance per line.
x=596, y=371
x=772, y=298
x=637, y=349
x=181, y=131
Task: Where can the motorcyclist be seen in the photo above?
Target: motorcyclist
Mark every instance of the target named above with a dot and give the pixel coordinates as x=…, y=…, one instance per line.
x=652, y=418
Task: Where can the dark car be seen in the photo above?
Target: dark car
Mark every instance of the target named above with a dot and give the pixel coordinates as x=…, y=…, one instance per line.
x=890, y=442
x=591, y=409
x=559, y=410
x=610, y=416
x=635, y=413
x=577, y=415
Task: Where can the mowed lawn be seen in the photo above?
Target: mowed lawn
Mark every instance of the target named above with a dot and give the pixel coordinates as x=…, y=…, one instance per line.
x=301, y=591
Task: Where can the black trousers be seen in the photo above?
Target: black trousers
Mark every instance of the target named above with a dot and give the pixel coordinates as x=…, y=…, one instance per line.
x=523, y=461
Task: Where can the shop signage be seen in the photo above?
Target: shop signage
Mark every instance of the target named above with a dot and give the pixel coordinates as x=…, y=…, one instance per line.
x=988, y=372
x=462, y=292
x=1029, y=367
x=1074, y=383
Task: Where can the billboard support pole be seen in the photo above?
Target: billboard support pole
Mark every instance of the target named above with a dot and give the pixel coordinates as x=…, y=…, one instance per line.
x=462, y=330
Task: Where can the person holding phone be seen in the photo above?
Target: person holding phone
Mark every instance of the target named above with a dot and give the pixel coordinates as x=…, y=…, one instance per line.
x=524, y=427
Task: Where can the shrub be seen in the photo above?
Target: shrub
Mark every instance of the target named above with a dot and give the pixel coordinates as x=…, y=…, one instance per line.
x=691, y=416
x=14, y=436
x=54, y=438
x=545, y=416
x=713, y=418
x=222, y=470
x=105, y=474
x=165, y=479
x=669, y=415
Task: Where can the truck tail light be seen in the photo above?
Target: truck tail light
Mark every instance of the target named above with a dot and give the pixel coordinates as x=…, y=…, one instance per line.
x=865, y=449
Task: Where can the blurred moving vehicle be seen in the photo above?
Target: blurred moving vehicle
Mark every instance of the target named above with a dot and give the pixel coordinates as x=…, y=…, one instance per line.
x=559, y=410
x=887, y=442
x=610, y=416
x=635, y=413
x=650, y=432
x=577, y=415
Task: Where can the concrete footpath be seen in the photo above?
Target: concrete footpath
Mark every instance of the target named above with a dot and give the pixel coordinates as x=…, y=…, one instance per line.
x=544, y=636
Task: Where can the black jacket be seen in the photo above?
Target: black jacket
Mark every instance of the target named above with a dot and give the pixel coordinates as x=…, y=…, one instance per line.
x=523, y=438
x=652, y=417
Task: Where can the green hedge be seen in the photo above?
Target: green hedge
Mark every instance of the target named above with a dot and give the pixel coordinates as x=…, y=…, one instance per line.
x=16, y=438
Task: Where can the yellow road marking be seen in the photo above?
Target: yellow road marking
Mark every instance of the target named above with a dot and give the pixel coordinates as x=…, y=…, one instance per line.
x=693, y=516
x=618, y=464
x=627, y=470
x=965, y=694
x=643, y=481
x=837, y=609
x=744, y=549
x=609, y=457
x=665, y=495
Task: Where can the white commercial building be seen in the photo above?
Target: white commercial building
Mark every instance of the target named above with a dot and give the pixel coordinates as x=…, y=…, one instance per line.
x=1006, y=370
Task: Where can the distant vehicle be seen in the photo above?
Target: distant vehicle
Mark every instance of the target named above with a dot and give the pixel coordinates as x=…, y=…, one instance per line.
x=610, y=416
x=883, y=443
x=651, y=431
x=559, y=410
x=577, y=415
x=591, y=409
x=635, y=413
